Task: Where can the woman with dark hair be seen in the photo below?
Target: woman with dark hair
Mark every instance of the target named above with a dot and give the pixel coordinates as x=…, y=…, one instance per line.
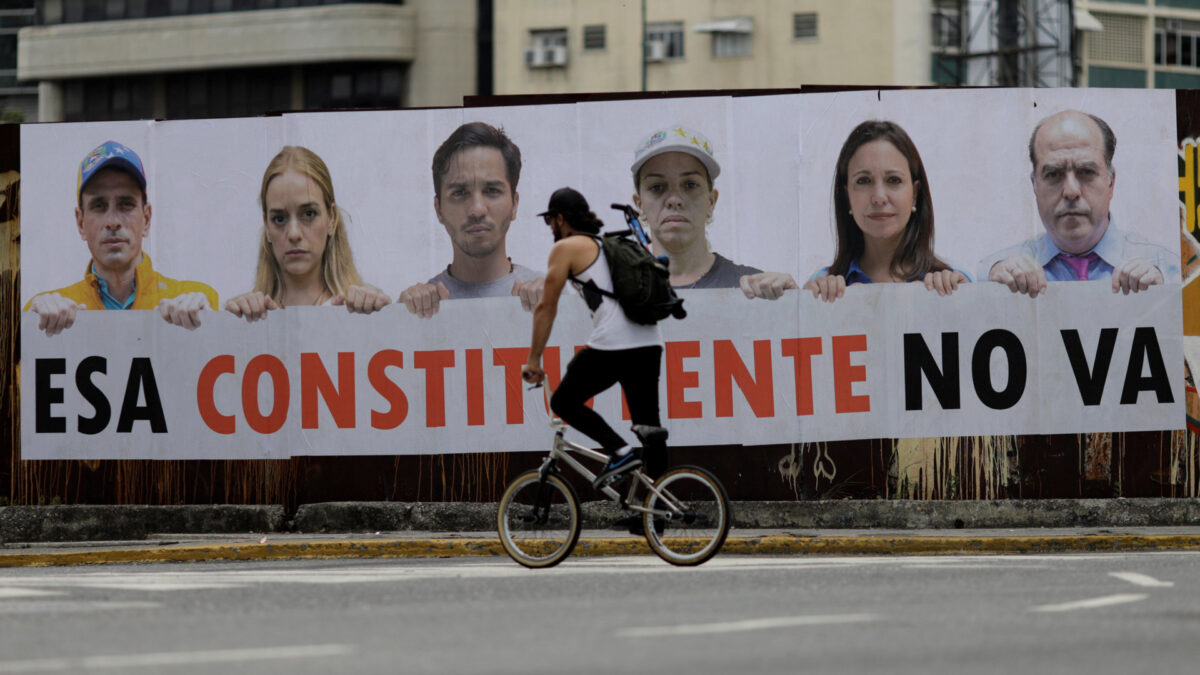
x=884, y=216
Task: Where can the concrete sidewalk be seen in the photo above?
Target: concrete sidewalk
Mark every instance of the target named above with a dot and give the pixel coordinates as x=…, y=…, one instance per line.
x=72, y=535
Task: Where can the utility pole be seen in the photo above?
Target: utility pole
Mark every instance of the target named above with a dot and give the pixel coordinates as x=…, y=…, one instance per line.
x=643, y=45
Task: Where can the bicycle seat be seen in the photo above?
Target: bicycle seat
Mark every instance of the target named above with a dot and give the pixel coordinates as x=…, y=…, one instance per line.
x=651, y=435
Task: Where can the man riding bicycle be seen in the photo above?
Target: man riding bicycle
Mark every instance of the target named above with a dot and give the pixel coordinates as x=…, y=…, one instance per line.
x=618, y=350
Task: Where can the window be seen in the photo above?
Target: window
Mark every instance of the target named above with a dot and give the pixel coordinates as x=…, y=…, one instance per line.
x=594, y=37
x=804, y=25
x=547, y=48
x=362, y=85
x=730, y=37
x=1121, y=41
x=1176, y=43
x=731, y=44
x=554, y=37
x=664, y=40
x=72, y=11
x=228, y=93
x=11, y=21
x=947, y=24
x=101, y=99
x=94, y=10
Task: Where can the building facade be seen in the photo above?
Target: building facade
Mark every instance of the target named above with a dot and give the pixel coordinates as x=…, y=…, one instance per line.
x=1007, y=43
x=18, y=100
x=87, y=60
x=132, y=59
x=1142, y=43
x=573, y=46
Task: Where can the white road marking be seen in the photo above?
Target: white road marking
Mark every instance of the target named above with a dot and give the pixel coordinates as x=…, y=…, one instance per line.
x=163, y=659
x=153, y=585
x=25, y=593
x=745, y=625
x=953, y=565
x=180, y=579
x=145, y=579
x=1139, y=579
x=65, y=606
x=1092, y=603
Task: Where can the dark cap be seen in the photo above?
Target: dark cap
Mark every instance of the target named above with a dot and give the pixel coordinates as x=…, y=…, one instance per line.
x=110, y=155
x=566, y=200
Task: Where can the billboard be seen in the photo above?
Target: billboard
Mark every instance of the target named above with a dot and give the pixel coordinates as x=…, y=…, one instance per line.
x=437, y=371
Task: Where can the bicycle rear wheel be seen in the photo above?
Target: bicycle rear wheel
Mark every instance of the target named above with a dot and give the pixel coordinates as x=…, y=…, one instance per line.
x=538, y=519
x=688, y=523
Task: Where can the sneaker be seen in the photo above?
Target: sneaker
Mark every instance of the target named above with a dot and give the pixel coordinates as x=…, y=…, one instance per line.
x=649, y=435
x=616, y=467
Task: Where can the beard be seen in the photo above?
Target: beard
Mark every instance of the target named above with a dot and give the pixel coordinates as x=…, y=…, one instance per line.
x=476, y=246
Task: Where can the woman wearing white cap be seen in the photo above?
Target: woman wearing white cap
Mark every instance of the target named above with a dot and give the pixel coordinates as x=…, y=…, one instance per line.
x=304, y=255
x=883, y=210
x=673, y=174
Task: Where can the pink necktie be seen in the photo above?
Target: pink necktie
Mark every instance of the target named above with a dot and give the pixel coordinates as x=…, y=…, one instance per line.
x=1079, y=263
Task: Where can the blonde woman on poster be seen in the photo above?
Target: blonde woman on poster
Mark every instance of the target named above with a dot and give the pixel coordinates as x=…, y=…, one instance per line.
x=883, y=211
x=673, y=174
x=304, y=255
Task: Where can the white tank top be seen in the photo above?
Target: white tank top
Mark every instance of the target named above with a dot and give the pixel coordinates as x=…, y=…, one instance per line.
x=611, y=329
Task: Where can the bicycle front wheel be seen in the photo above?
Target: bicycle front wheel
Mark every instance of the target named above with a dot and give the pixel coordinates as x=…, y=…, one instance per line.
x=687, y=517
x=538, y=519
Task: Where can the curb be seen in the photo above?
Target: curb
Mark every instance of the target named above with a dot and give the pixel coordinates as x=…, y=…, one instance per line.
x=78, y=523
x=962, y=545
x=770, y=545
x=108, y=523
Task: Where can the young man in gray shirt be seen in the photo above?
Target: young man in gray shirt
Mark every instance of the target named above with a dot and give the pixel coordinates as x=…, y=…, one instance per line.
x=475, y=174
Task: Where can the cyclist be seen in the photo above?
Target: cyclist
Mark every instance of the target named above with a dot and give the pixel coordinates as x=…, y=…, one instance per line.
x=618, y=350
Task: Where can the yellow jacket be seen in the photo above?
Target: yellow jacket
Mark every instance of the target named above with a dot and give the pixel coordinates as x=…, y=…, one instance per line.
x=152, y=288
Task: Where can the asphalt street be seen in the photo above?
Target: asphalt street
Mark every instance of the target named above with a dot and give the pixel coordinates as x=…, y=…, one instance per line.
x=1082, y=613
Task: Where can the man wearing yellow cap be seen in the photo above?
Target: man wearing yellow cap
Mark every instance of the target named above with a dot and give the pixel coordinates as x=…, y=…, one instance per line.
x=113, y=216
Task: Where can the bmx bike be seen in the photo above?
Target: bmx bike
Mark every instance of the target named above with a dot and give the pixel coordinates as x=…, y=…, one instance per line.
x=685, y=513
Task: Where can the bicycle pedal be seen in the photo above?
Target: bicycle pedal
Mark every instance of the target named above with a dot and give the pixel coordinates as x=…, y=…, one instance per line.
x=610, y=481
x=650, y=435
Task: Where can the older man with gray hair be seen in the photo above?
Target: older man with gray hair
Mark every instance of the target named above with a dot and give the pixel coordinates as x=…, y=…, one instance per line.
x=1073, y=181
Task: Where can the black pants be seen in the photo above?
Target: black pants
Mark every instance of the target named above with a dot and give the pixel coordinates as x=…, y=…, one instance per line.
x=594, y=370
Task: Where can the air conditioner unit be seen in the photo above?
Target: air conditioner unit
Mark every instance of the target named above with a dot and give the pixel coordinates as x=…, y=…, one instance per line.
x=556, y=56
x=656, y=50
x=535, y=57
x=545, y=56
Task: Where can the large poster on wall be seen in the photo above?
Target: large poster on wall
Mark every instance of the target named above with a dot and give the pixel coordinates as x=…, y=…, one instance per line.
x=775, y=211
x=1189, y=222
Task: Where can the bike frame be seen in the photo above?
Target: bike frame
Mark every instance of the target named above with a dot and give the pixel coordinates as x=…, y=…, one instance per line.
x=563, y=450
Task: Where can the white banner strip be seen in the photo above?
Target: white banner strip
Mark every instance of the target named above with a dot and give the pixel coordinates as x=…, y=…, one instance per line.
x=889, y=360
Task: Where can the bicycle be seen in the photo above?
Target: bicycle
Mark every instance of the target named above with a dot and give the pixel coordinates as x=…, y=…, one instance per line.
x=685, y=513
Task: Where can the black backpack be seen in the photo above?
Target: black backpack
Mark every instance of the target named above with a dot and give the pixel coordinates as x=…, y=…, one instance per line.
x=641, y=282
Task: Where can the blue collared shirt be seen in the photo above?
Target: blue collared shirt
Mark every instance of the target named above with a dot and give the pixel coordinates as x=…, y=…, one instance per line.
x=109, y=301
x=855, y=275
x=1114, y=248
